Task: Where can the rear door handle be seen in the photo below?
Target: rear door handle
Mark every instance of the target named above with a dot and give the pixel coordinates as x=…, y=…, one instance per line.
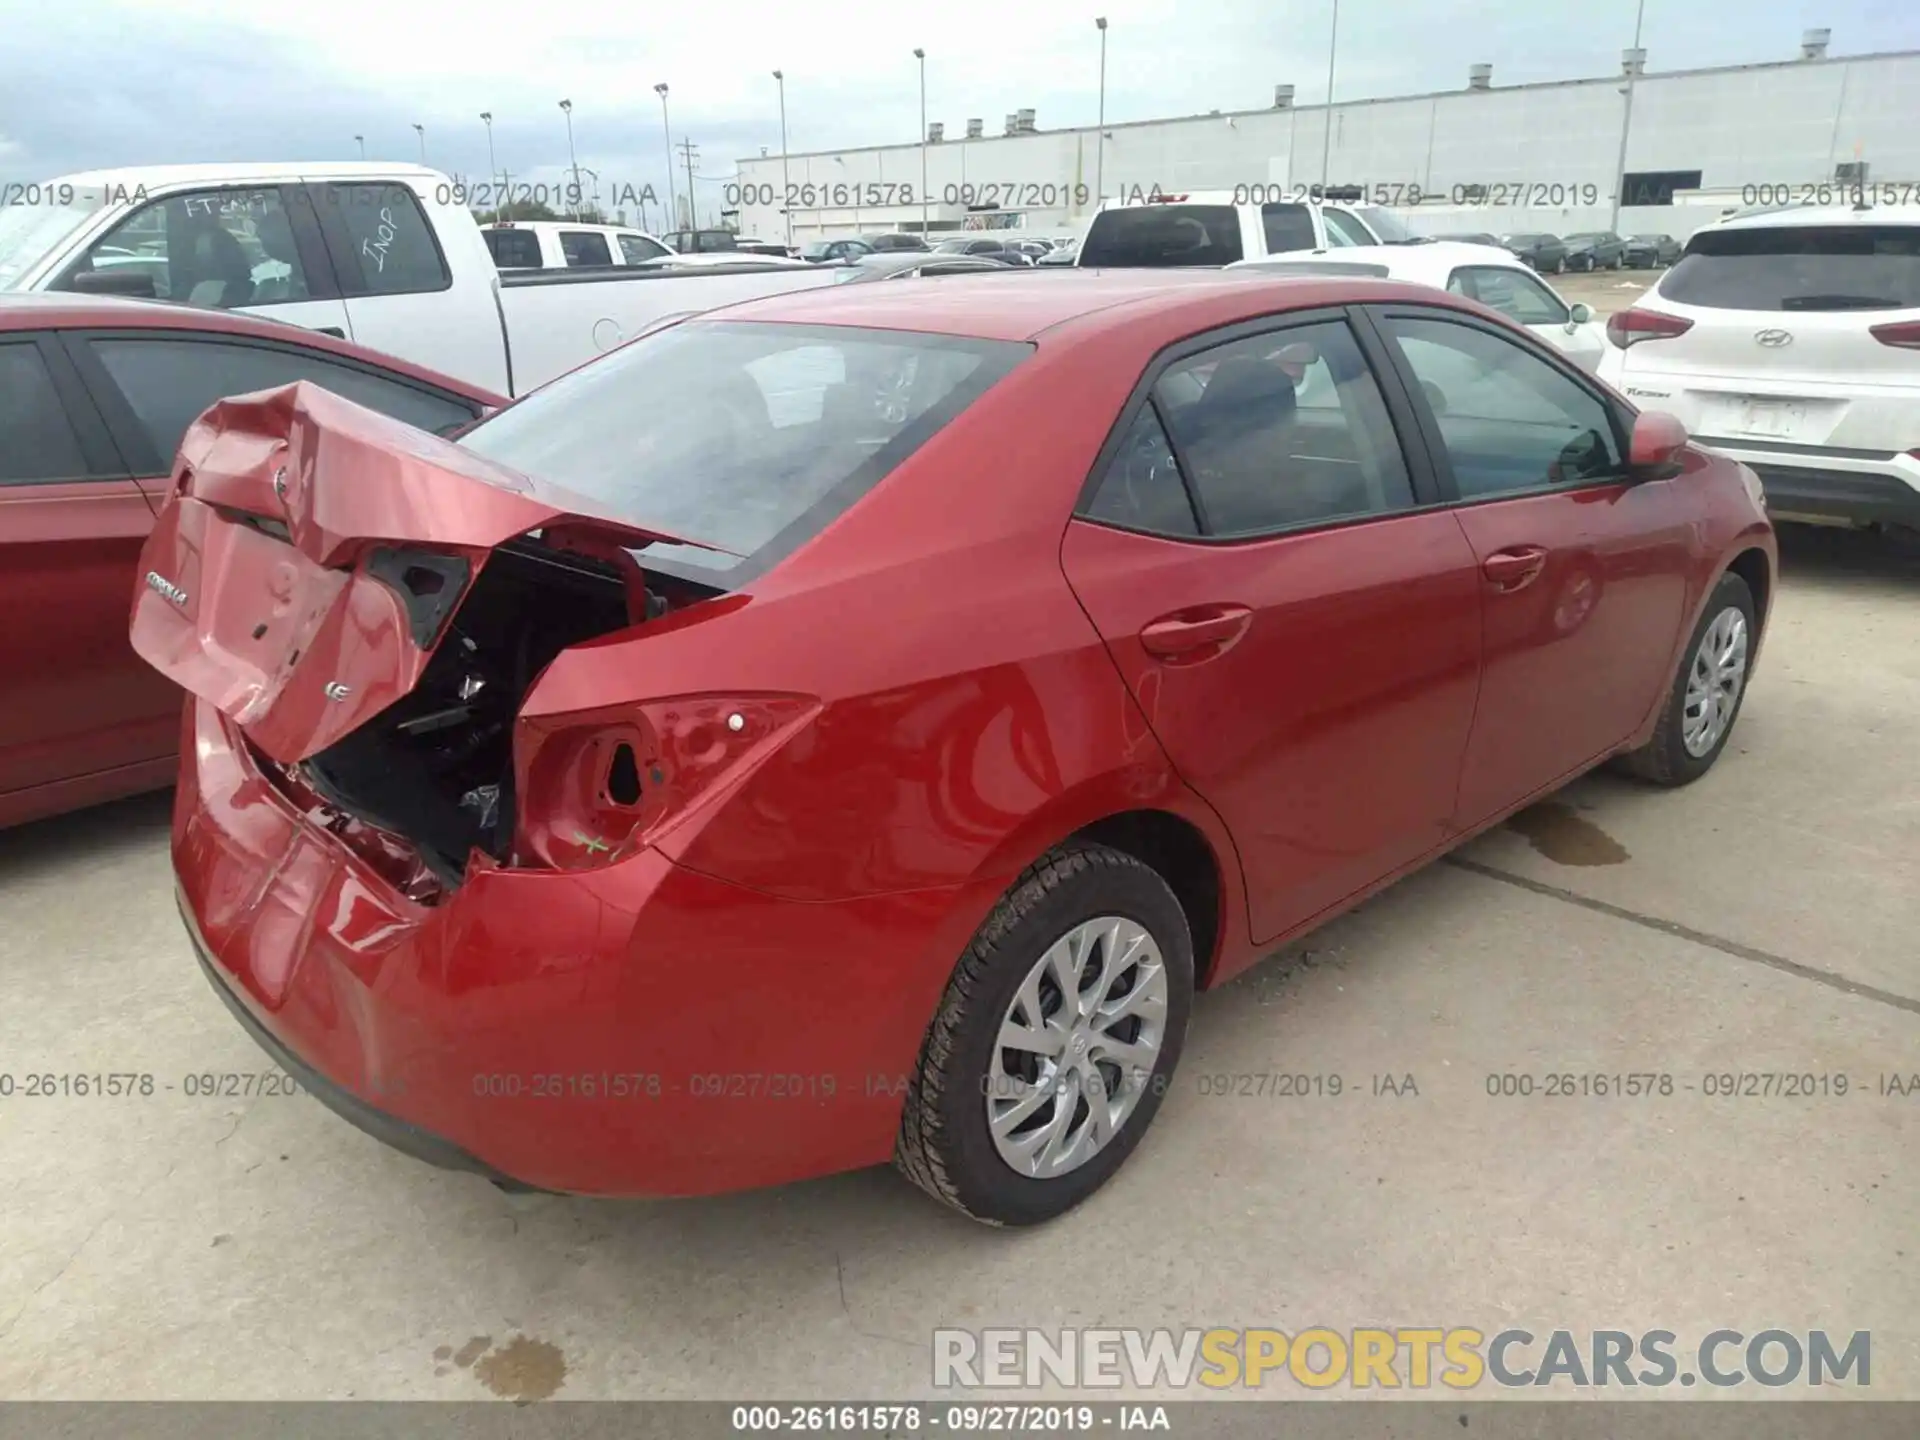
x=1515, y=567
x=1198, y=627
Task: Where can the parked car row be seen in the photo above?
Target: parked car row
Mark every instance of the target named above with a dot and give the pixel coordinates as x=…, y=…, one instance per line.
x=1586, y=250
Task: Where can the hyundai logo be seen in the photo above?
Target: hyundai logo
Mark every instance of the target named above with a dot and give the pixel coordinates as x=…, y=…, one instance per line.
x=1774, y=339
x=165, y=588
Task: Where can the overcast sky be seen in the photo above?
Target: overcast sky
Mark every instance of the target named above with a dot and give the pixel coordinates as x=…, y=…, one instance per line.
x=97, y=83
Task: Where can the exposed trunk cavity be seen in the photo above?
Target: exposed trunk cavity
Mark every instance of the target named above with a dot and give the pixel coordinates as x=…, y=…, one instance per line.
x=436, y=767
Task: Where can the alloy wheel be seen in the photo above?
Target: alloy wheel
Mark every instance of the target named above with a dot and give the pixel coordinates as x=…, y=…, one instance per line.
x=1078, y=1047
x=1715, y=677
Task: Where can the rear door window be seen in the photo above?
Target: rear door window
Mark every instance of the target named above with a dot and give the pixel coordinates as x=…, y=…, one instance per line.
x=585, y=247
x=1288, y=227
x=381, y=241
x=1284, y=429
x=1164, y=236
x=37, y=440
x=167, y=383
x=1800, y=267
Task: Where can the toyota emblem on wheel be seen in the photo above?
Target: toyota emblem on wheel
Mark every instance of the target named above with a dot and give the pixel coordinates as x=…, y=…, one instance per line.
x=1774, y=339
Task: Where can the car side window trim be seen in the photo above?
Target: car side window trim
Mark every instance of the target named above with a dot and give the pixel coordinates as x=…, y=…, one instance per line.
x=1428, y=426
x=104, y=460
x=124, y=425
x=1426, y=489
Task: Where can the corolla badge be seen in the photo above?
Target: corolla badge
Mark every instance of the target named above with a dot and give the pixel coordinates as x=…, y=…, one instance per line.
x=336, y=691
x=1773, y=339
x=165, y=588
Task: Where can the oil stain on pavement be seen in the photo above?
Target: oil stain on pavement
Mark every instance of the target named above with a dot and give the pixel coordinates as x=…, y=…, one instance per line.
x=522, y=1370
x=1557, y=832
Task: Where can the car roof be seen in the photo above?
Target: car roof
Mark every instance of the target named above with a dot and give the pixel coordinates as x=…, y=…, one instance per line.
x=1823, y=215
x=62, y=311
x=1430, y=263
x=986, y=307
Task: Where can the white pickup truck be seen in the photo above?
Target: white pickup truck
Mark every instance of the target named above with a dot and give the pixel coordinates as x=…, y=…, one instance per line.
x=1202, y=229
x=385, y=255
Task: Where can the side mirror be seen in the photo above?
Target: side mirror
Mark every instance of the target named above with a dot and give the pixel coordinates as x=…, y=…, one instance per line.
x=1580, y=314
x=1659, y=443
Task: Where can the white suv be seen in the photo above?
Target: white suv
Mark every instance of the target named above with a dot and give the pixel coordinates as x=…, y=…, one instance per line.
x=1791, y=341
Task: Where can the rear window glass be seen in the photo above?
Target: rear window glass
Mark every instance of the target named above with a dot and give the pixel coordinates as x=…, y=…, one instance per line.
x=1164, y=236
x=749, y=437
x=390, y=249
x=514, y=249
x=1800, y=267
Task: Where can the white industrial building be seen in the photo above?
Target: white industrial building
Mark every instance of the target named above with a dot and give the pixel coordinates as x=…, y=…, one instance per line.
x=1697, y=140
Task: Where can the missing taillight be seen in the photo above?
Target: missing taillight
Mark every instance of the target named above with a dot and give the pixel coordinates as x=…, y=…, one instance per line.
x=581, y=800
x=623, y=776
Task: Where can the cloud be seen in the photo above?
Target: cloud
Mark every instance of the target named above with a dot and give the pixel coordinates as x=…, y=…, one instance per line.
x=124, y=83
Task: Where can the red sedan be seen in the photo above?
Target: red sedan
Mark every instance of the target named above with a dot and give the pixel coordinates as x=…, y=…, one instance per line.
x=854, y=725
x=94, y=397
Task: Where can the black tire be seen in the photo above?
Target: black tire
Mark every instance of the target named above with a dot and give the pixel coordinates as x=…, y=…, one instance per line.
x=945, y=1146
x=1664, y=759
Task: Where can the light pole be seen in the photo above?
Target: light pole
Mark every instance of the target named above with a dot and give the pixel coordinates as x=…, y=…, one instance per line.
x=1326, y=145
x=493, y=169
x=666, y=132
x=786, y=181
x=573, y=161
x=1626, y=120
x=921, y=56
x=361, y=141
x=421, y=131
x=1100, y=161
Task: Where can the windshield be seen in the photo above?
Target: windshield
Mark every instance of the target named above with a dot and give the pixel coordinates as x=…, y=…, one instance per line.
x=1800, y=267
x=1387, y=225
x=748, y=437
x=29, y=231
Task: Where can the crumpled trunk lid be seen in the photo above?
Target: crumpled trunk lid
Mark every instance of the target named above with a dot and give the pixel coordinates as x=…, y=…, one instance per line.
x=312, y=551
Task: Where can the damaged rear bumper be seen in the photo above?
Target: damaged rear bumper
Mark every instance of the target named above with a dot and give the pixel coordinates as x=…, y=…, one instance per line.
x=637, y=1029
x=388, y=1129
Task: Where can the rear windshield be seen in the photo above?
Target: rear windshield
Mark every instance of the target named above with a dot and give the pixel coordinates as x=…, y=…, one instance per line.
x=1800, y=267
x=1164, y=236
x=749, y=437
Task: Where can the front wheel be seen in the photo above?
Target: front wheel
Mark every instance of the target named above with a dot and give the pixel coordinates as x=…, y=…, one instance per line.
x=1055, y=1041
x=1705, y=699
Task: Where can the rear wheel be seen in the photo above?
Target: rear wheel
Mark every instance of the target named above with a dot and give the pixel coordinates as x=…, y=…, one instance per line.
x=1056, y=1039
x=1705, y=698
